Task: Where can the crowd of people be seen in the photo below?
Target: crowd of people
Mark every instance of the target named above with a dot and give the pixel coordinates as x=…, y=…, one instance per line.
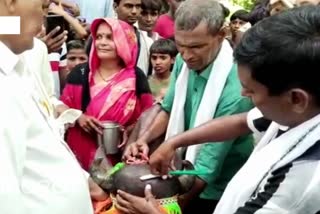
x=234, y=93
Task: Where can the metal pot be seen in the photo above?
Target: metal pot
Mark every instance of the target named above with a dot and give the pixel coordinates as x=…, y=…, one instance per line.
x=128, y=180
x=110, y=138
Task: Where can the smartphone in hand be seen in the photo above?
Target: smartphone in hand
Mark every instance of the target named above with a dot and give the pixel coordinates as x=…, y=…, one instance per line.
x=53, y=21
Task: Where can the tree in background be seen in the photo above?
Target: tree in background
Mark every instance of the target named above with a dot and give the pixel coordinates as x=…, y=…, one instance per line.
x=246, y=4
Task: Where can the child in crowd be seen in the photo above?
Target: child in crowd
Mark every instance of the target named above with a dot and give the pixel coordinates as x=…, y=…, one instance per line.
x=76, y=54
x=162, y=56
x=150, y=11
x=238, y=21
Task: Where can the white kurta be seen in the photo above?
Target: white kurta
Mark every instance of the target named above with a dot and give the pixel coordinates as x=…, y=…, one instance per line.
x=38, y=63
x=39, y=174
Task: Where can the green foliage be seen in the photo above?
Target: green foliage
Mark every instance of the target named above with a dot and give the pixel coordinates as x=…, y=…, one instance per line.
x=246, y=4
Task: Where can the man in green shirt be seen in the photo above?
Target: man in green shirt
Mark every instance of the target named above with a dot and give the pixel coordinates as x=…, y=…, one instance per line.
x=204, y=59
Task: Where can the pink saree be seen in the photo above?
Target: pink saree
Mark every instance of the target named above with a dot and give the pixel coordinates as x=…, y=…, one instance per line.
x=115, y=100
x=118, y=98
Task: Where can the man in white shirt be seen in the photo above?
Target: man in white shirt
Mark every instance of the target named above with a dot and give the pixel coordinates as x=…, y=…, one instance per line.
x=41, y=74
x=41, y=68
x=39, y=174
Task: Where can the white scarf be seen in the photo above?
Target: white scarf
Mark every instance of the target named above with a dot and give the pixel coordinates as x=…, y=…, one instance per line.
x=144, y=54
x=270, y=154
x=215, y=85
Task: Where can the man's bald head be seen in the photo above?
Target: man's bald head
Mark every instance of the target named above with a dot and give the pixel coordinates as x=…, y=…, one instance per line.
x=30, y=13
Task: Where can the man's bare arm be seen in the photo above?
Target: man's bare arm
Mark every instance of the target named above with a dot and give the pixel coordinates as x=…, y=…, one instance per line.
x=217, y=130
x=158, y=127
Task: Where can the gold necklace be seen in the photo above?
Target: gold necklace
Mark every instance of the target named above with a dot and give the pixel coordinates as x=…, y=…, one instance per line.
x=102, y=76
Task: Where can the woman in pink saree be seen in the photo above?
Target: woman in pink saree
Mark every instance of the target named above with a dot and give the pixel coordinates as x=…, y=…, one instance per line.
x=108, y=88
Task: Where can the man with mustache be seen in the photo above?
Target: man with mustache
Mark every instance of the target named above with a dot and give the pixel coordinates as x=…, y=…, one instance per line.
x=204, y=85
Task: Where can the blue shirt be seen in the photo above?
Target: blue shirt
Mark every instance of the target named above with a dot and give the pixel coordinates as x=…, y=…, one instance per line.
x=93, y=9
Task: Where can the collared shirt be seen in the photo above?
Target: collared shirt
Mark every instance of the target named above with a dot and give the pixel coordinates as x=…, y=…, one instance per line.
x=154, y=35
x=221, y=160
x=38, y=173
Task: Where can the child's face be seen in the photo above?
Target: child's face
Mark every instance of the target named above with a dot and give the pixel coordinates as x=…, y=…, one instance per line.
x=161, y=63
x=236, y=24
x=76, y=57
x=148, y=19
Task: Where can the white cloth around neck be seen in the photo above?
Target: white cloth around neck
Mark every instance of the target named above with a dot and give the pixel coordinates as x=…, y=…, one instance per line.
x=269, y=155
x=221, y=68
